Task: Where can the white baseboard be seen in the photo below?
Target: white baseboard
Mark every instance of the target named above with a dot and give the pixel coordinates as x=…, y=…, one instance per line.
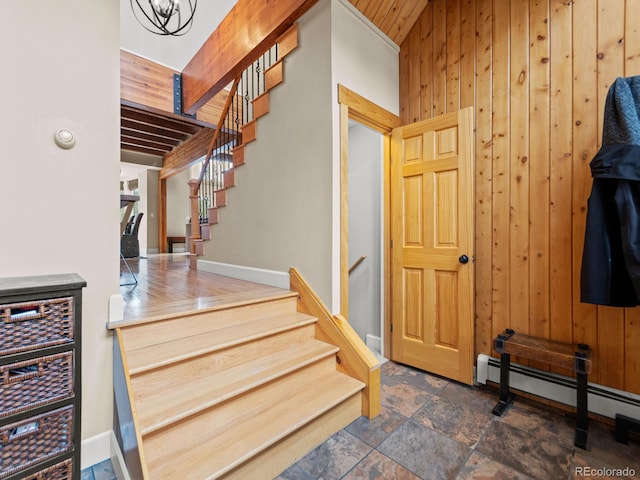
x=374, y=343
x=251, y=274
x=601, y=400
x=103, y=447
x=95, y=450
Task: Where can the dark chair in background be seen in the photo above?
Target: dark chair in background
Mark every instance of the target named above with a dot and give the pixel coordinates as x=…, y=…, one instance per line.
x=129, y=245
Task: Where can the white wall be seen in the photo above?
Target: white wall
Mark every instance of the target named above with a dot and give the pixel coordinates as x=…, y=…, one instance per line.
x=365, y=229
x=171, y=51
x=363, y=58
x=59, y=209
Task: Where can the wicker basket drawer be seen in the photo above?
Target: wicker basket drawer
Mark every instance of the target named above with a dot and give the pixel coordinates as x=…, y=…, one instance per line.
x=35, y=439
x=35, y=382
x=37, y=324
x=60, y=471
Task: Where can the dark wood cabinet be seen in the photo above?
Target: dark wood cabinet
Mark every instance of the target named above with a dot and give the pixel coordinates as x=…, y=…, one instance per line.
x=40, y=375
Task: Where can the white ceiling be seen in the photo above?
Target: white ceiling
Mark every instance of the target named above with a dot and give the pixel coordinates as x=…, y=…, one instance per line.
x=173, y=52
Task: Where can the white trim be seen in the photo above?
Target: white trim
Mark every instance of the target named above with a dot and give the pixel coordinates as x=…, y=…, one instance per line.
x=368, y=23
x=116, y=308
x=95, y=449
x=251, y=274
x=117, y=459
x=101, y=447
x=602, y=400
x=374, y=343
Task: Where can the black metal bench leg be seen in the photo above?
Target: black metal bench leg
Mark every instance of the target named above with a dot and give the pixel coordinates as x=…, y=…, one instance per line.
x=582, y=420
x=582, y=410
x=623, y=425
x=506, y=397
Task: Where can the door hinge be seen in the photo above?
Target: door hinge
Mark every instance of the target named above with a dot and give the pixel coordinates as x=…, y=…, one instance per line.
x=391, y=244
x=392, y=328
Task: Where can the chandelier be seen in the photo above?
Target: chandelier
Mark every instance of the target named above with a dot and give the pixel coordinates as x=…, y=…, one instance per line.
x=165, y=17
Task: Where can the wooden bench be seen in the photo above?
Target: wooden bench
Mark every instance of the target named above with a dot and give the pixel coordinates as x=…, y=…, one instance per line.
x=573, y=357
x=172, y=240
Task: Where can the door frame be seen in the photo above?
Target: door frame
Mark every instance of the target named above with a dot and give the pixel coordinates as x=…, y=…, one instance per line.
x=356, y=107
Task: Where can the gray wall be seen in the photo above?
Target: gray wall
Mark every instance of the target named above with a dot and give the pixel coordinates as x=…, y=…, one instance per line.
x=149, y=205
x=365, y=229
x=285, y=208
x=59, y=209
x=279, y=213
x=178, y=204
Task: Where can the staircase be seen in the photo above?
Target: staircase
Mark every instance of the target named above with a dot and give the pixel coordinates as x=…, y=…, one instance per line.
x=247, y=102
x=241, y=390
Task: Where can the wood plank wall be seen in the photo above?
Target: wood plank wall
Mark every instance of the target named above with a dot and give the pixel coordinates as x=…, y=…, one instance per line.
x=148, y=83
x=537, y=73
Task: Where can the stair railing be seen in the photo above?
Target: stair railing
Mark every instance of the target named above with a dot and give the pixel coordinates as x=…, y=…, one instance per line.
x=237, y=112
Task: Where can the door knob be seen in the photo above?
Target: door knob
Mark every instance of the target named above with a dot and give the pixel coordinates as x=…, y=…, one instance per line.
x=463, y=259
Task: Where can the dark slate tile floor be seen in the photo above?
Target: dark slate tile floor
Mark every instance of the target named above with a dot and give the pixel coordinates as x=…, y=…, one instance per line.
x=101, y=471
x=431, y=428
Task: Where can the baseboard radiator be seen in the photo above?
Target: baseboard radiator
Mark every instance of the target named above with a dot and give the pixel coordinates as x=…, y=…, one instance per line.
x=602, y=400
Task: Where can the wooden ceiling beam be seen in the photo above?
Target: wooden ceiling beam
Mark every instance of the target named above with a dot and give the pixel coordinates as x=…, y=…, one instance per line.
x=148, y=137
x=159, y=121
x=125, y=139
x=161, y=132
x=251, y=27
x=139, y=149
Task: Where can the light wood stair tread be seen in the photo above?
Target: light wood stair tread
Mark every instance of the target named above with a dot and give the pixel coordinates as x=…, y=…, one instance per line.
x=144, y=335
x=159, y=312
x=217, y=451
x=183, y=400
x=159, y=355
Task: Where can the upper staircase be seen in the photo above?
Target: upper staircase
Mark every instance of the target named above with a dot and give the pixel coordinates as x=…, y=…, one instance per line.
x=247, y=101
x=240, y=390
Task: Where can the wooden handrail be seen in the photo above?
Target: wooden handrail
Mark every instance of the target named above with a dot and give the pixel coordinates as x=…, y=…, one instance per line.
x=356, y=263
x=214, y=139
x=355, y=359
x=194, y=185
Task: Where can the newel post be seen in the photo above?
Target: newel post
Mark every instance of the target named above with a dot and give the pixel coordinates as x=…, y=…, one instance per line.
x=194, y=186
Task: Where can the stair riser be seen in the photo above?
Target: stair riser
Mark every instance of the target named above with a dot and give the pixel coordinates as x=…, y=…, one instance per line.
x=213, y=423
x=150, y=384
x=159, y=412
x=164, y=354
x=139, y=336
x=273, y=461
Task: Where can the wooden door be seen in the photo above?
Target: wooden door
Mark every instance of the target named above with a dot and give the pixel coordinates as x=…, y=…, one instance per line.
x=432, y=245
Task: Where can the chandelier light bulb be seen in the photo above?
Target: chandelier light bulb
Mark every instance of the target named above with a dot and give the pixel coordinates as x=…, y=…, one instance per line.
x=165, y=8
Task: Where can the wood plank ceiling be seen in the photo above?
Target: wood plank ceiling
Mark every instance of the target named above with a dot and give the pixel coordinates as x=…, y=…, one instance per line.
x=393, y=17
x=156, y=132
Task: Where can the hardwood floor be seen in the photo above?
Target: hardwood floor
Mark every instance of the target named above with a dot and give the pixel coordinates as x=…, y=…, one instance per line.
x=166, y=285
